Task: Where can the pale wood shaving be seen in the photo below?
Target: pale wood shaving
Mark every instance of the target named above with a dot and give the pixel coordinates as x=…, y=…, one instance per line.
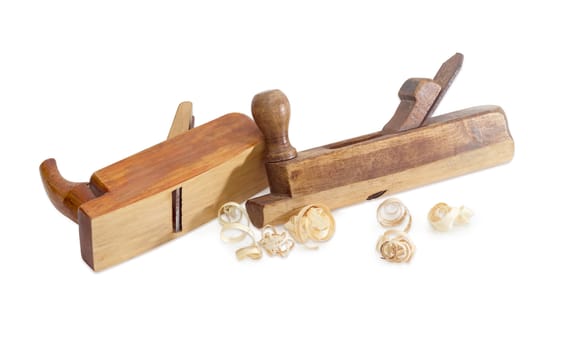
x=394, y=245
x=275, y=243
x=236, y=226
x=313, y=224
x=392, y=212
x=233, y=219
x=443, y=217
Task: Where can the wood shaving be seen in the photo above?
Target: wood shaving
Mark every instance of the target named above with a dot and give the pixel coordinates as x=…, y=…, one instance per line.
x=314, y=223
x=233, y=219
x=236, y=226
x=395, y=246
x=275, y=243
x=392, y=212
x=443, y=217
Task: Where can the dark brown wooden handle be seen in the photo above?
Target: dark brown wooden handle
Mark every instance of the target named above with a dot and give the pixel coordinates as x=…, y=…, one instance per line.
x=417, y=96
x=271, y=111
x=66, y=196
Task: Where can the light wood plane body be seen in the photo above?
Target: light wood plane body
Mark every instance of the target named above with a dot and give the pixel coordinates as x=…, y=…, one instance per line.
x=162, y=192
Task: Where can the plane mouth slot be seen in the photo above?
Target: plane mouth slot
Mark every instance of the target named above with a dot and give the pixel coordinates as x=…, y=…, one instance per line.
x=376, y=195
x=177, y=210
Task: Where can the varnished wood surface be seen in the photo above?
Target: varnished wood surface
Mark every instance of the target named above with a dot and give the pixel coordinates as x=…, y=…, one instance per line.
x=133, y=209
x=133, y=229
x=171, y=162
x=214, y=163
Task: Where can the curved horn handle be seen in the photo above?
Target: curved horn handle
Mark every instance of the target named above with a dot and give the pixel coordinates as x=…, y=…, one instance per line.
x=66, y=196
x=271, y=111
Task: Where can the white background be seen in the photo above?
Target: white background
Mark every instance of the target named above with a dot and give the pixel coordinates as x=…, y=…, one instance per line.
x=92, y=84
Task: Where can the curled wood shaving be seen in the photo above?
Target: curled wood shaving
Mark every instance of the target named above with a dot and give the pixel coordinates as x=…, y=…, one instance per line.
x=275, y=243
x=234, y=219
x=443, y=217
x=394, y=246
x=231, y=216
x=313, y=223
x=392, y=212
x=232, y=212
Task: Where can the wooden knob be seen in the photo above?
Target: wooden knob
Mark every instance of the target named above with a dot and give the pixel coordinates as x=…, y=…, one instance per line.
x=271, y=111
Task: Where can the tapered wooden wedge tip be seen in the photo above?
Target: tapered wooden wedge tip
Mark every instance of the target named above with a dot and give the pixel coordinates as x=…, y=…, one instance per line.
x=271, y=111
x=444, y=77
x=449, y=69
x=183, y=120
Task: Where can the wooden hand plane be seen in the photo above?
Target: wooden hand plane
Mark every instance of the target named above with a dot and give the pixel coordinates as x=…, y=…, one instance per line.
x=164, y=191
x=411, y=150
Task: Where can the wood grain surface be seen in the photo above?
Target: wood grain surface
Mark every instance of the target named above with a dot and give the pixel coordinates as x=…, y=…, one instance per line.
x=355, y=170
x=133, y=210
